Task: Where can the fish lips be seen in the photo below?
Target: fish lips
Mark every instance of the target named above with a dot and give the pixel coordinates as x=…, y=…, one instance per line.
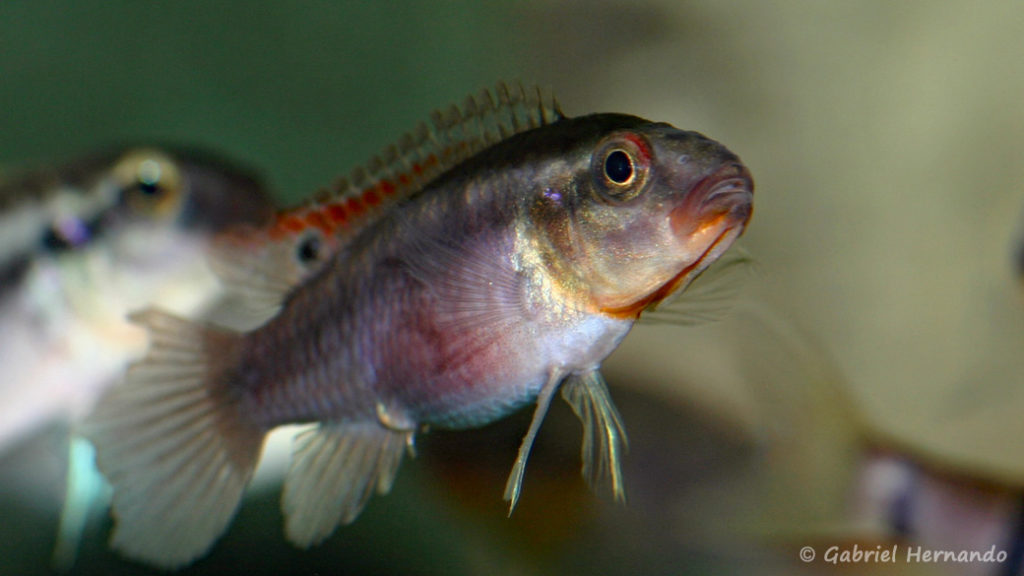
x=723, y=200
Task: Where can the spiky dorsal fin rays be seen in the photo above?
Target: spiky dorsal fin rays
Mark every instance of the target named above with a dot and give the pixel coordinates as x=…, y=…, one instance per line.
x=263, y=265
x=335, y=469
x=172, y=445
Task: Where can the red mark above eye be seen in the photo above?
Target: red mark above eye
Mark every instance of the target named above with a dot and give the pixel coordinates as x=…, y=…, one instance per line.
x=286, y=223
x=292, y=223
x=318, y=220
x=642, y=148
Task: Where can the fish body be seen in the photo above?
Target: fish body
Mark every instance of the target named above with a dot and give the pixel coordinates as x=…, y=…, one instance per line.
x=86, y=242
x=509, y=275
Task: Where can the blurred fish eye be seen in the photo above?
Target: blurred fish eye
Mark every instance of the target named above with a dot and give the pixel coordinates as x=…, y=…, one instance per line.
x=308, y=250
x=150, y=182
x=621, y=166
x=66, y=234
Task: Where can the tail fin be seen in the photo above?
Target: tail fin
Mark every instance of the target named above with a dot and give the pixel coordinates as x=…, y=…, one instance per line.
x=172, y=444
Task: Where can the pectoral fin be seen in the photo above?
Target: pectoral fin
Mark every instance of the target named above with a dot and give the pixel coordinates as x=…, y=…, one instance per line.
x=604, y=437
x=334, y=471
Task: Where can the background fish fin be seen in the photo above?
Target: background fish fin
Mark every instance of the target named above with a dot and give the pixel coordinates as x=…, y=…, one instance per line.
x=334, y=470
x=604, y=436
x=711, y=296
x=171, y=443
x=260, y=269
x=85, y=496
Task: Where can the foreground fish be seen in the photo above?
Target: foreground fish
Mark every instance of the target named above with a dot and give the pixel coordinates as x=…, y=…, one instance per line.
x=484, y=264
x=83, y=244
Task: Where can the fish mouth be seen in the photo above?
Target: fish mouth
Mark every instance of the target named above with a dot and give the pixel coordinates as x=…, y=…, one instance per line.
x=723, y=204
x=729, y=190
x=725, y=237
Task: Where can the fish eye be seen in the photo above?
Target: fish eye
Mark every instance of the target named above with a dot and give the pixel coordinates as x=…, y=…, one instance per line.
x=308, y=250
x=150, y=183
x=618, y=167
x=149, y=179
x=621, y=166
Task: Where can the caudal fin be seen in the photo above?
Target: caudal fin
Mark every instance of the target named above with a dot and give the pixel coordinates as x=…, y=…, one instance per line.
x=171, y=442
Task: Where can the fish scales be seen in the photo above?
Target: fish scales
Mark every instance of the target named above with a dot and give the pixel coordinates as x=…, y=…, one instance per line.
x=508, y=275
x=452, y=365
x=303, y=237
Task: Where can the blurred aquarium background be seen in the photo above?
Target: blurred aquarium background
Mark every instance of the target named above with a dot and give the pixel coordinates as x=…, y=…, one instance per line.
x=883, y=308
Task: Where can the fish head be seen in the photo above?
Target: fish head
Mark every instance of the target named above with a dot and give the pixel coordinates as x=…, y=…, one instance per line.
x=167, y=200
x=649, y=207
x=188, y=189
x=166, y=206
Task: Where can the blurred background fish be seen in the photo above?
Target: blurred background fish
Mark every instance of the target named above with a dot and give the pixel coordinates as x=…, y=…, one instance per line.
x=84, y=243
x=886, y=140
x=87, y=242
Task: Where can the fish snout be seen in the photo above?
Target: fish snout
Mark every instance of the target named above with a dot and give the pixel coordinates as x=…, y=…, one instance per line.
x=730, y=190
x=722, y=200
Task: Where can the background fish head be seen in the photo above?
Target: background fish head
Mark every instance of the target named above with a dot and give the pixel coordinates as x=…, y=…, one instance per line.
x=649, y=207
x=169, y=204
x=191, y=193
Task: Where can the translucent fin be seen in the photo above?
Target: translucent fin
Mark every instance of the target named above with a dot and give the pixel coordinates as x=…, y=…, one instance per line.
x=85, y=489
x=334, y=471
x=515, y=479
x=261, y=271
x=474, y=283
x=710, y=297
x=265, y=264
x=604, y=437
x=172, y=445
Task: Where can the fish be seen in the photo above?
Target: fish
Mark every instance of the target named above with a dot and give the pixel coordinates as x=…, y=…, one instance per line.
x=82, y=243
x=498, y=256
x=86, y=242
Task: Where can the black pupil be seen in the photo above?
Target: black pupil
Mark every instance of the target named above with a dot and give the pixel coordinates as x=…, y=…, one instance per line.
x=618, y=167
x=309, y=250
x=149, y=187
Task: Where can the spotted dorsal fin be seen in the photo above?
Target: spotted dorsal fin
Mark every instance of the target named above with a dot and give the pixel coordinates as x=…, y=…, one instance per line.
x=263, y=265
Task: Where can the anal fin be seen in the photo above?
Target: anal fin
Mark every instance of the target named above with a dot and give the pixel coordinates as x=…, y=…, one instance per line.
x=335, y=469
x=604, y=437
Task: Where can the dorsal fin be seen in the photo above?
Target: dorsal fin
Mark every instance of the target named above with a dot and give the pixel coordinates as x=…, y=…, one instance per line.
x=418, y=157
x=268, y=263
